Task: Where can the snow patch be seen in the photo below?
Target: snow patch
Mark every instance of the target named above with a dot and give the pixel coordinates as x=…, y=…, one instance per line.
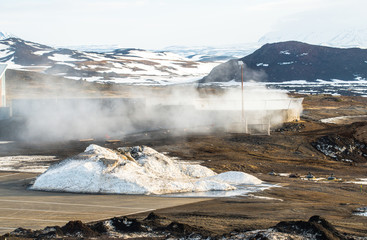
x=262, y=64
x=62, y=58
x=4, y=47
x=236, y=178
x=362, y=211
x=337, y=120
x=41, y=52
x=285, y=52
x=285, y=63
x=361, y=181
x=135, y=170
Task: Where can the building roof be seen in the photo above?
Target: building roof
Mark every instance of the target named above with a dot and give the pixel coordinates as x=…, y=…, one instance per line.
x=2, y=69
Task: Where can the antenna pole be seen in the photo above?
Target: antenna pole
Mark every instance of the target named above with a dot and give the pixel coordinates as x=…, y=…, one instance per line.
x=243, y=113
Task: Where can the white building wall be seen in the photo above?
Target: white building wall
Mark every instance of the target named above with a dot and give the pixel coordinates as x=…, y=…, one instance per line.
x=2, y=86
x=3, y=94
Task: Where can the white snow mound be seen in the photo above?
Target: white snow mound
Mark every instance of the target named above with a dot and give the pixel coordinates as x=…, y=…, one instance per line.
x=135, y=170
x=236, y=178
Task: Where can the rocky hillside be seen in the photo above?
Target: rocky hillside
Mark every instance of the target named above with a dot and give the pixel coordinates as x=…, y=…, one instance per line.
x=286, y=61
x=131, y=66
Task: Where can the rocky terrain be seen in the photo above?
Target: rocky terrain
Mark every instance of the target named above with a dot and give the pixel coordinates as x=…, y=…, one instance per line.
x=158, y=227
x=287, y=61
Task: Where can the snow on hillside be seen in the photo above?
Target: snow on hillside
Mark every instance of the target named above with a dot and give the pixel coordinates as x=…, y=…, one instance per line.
x=129, y=66
x=135, y=170
x=172, y=65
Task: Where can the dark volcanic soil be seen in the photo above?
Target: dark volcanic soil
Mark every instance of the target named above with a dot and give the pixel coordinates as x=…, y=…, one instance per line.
x=290, y=149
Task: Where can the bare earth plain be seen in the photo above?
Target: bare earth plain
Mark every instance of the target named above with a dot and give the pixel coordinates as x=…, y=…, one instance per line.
x=289, y=149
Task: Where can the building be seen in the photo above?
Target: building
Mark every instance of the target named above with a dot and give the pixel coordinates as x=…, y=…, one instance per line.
x=2, y=85
x=260, y=112
x=4, y=110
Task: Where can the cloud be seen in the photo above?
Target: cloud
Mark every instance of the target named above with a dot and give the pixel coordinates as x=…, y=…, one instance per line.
x=165, y=22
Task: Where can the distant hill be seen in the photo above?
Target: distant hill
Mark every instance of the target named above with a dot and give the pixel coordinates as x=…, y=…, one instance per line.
x=286, y=61
x=129, y=66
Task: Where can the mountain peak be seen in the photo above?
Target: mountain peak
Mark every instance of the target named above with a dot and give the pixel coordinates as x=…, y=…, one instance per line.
x=292, y=60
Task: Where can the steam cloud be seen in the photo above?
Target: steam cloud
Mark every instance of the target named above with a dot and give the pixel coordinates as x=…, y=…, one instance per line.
x=182, y=109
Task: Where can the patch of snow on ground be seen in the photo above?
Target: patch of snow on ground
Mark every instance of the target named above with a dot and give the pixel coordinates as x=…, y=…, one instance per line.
x=362, y=211
x=236, y=178
x=156, y=55
x=36, y=164
x=361, y=181
x=3, y=47
x=284, y=174
x=88, y=79
x=285, y=63
x=267, y=198
x=336, y=120
x=286, y=52
x=136, y=170
x=63, y=58
x=40, y=53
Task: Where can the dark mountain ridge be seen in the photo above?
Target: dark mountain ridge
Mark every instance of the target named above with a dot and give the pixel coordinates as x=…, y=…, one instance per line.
x=286, y=61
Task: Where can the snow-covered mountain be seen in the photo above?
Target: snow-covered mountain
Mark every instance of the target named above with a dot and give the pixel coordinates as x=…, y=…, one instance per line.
x=175, y=64
x=291, y=60
x=194, y=53
x=343, y=39
x=131, y=66
x=347, y=38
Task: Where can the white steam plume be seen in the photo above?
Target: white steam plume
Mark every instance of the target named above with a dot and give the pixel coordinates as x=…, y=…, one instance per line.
x=183, y=109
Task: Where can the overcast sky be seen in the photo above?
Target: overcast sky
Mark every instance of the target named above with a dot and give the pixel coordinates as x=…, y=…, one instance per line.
x=154, y=24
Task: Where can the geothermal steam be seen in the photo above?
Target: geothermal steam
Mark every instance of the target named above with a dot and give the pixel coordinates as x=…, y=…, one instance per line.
x=181, y=109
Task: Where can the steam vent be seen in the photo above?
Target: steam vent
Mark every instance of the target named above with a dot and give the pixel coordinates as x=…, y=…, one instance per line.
x=259, y=110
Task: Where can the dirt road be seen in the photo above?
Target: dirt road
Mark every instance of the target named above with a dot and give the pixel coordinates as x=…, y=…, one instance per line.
x=20, y=207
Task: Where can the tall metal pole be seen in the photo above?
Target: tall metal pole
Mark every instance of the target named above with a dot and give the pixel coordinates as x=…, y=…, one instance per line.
x=243, y=113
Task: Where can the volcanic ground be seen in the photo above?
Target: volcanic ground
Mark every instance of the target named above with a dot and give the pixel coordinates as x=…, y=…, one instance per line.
x=294, y=149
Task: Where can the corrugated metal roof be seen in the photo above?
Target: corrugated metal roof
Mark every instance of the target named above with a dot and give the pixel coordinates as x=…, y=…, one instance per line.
x=2, y=69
